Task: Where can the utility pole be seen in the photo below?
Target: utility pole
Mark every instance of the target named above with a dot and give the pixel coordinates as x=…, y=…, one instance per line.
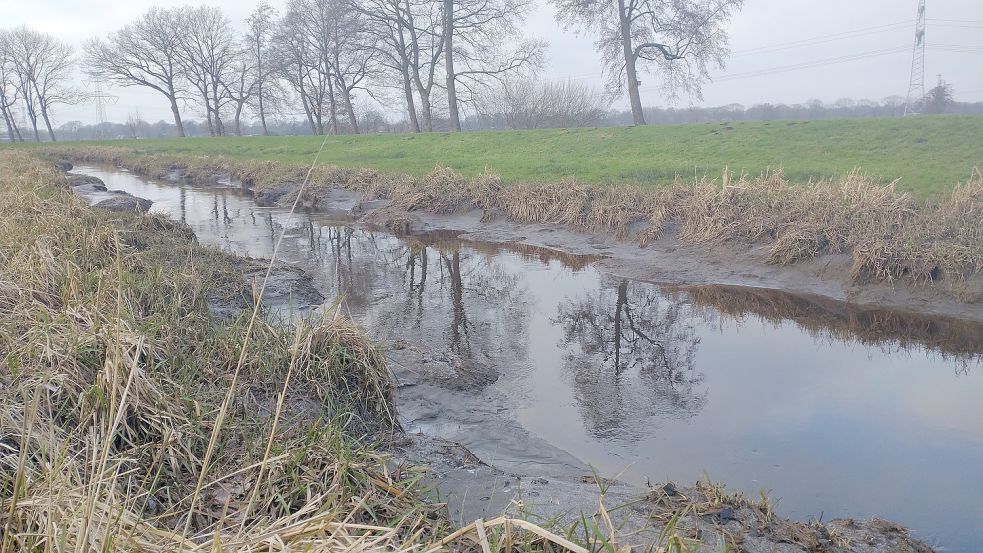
x=915, y=103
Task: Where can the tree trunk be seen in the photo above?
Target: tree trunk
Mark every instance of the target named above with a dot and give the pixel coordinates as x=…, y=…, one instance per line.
x=177, y=115
x=262, y=111
x=47, y=123
x=34, y=124
x=637, y=115
x=238, y=117
x=219, y=126
x=333, y=106
x=310, y=114
x=346, y=96
x=14, y=129
x=410, y=104
x=319, y=121
x=426, y=114
x=455, y=118
x=8, y=123
x=208, y=116
x=259, y=89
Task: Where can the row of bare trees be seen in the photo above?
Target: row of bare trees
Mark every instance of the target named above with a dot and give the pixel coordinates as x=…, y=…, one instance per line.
x=321, y=56
x=324, y=58
x=326, y=55
x=35, y=74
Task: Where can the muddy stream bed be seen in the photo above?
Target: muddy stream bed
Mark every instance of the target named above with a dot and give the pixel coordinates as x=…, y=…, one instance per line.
x=542, y=364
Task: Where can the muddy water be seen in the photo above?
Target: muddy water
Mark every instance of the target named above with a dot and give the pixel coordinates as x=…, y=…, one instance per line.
x=541, y=364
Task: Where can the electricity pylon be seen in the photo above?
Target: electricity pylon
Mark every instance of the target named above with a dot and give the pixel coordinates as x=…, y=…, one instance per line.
x=915, y=103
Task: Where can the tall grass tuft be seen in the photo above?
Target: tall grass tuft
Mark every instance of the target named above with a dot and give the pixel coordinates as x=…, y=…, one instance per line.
x=113, y=368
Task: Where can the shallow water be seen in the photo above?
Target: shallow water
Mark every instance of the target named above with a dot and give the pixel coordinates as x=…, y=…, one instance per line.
x=834, y=411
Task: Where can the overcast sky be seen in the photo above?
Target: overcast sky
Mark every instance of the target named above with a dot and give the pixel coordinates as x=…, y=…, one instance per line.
x=851, y=48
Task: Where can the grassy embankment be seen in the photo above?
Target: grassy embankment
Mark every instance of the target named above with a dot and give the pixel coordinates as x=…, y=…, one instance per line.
x=890, y=235
x=928, y=155
x=134, y=420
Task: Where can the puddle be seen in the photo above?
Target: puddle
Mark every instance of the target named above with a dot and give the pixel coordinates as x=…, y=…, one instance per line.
x=540, y=363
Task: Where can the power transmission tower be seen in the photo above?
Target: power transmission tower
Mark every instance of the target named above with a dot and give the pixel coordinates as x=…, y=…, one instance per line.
x=100, y=106
x=100, y=98
x=915, y=103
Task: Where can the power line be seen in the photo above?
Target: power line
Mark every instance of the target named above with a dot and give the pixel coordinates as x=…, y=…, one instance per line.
x=812, y=64
x=823, y=39
x=945, y=22
x=955, y=48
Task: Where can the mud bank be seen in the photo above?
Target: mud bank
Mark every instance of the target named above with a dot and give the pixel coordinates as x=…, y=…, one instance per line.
x=473, y=488
x=287, y=289
x=636, y=249
x=670, y=261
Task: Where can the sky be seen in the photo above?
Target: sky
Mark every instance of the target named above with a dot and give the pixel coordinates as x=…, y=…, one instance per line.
x=858, y=49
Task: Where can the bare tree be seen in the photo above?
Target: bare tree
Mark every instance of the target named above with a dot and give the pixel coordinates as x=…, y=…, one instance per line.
x=144, y=53
x=300, y=64
x=526, y=103
x=353, y=61
x=427, y=41
x=337, y=36
x=477, y=39
x=349, y=50
x=388, y=24
x=133, y=124
x=240, y=84
x=408, y=35
x=679, y=40
x=9, y=87
x=261, y=24
x=207, y=50
x=43, y=65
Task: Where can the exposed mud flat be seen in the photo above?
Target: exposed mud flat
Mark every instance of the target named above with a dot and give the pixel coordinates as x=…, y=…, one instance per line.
x=465, y=345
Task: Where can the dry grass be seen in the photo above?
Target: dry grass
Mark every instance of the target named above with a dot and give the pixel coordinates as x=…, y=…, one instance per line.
x=114, y=374
x=114, y=368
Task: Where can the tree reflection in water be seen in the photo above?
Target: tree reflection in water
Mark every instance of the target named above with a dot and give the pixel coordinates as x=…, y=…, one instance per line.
x=630, y=351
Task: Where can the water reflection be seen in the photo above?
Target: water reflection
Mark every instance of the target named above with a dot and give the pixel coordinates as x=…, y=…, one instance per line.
x=631, y=355
x=890, y=331
x=422, y=288
x=835, y=408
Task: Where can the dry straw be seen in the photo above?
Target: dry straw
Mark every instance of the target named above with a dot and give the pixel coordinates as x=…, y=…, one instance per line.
x=133, y=420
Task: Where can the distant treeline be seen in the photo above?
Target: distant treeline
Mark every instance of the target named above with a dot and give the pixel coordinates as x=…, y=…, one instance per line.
x=842, y=109
x=376, y=122
x=809, y=111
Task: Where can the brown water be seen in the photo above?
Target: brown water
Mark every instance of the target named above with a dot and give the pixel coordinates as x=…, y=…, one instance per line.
x=836, y=411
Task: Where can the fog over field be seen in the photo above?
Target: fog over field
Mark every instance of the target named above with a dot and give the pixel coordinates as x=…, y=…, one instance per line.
x=851, y=49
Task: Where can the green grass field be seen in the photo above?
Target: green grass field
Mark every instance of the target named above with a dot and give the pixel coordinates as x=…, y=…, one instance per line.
x=928, y=154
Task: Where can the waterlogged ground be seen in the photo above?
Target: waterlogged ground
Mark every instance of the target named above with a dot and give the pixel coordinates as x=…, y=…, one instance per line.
x=539, y=363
